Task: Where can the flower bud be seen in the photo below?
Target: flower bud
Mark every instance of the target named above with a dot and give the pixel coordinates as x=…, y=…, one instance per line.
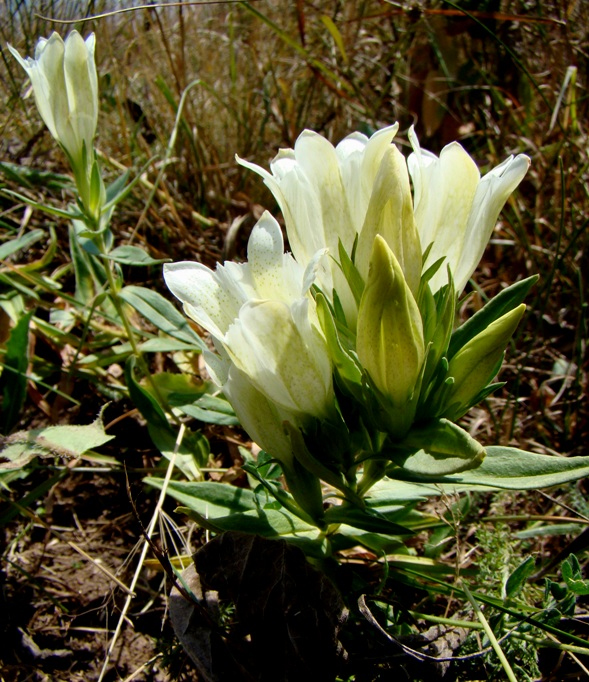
x=475, y=364
x=65, y=85
x=389, y=341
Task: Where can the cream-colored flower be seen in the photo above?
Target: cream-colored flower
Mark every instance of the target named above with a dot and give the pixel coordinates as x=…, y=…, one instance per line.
x=65, y=85
x=455, y=209
x=324, y=193
x=263, y=322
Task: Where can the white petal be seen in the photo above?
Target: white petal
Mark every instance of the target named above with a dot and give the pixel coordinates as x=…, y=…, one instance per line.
x=350, y=146
x=318, y=160
x=314, y=266
x=259, y=417
x=492, y=192
x=266, y=344
x=265, y=252
x=447, y=189
x=254, y=167
x=218, y=366
x=205, y=301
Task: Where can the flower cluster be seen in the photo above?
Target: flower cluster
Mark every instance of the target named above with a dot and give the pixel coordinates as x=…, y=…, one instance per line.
x=341, y=359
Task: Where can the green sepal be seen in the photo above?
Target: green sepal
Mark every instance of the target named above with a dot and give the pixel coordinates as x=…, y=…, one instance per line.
x=351, y=273
x=347, y=368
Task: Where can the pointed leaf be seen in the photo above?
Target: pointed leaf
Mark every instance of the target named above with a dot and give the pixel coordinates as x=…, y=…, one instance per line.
x=20, y=243
x=505, y=301
x=511, y=469
x=160, y=312
x=133, y=255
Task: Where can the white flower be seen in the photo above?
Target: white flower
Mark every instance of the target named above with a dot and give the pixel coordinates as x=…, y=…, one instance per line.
x=263, y=323
x=456, y=210
x=324, y=193
x=361, y=188
x=65, y=85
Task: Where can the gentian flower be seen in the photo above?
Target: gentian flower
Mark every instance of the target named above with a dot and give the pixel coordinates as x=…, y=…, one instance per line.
x=65, y=85
x=263, y=323
x=361, y=188
x=455, y=209
x=324, y=194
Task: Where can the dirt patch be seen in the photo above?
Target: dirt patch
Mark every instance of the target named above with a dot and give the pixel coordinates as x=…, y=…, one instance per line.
x=61, y=600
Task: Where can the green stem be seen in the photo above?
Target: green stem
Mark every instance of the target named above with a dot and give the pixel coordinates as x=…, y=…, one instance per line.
x=490, y=634
x=113, y=291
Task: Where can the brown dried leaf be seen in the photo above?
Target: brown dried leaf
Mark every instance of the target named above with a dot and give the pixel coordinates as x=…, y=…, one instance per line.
x=288, y=614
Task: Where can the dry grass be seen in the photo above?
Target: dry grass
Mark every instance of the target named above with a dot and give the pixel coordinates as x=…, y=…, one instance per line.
x=497, y=81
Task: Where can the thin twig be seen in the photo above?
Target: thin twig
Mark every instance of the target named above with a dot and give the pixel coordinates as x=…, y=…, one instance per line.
x=139, y=568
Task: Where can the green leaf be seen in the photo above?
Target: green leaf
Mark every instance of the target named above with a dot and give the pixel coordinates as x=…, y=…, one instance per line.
x=364, y=519
x=269, y=523
x=336, y=35
x=506, y=300
x=194, y=450
x=510, y=469
x=548, y=531
x=118, y=191
x=164, y=345
x=437, y=449
x=209, y=409
x=143, y=400
x=178, y=389
x=387, y=494
x=89, y=274
x=13, y=381
x=29, y=177
x=192, y=453
x=160, y=312
x=209, y=498
x=53, y=441
x=72, y=212
x=348, y=537
x=117, y=186
x=133, y=255
x=20, y=243
x=516, y=581
x=572, y=574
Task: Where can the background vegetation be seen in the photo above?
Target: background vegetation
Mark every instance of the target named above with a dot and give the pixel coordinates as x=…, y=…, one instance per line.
x=503, y=77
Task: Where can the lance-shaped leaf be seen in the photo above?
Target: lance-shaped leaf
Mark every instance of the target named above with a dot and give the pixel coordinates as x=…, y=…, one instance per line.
x=437, y=449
